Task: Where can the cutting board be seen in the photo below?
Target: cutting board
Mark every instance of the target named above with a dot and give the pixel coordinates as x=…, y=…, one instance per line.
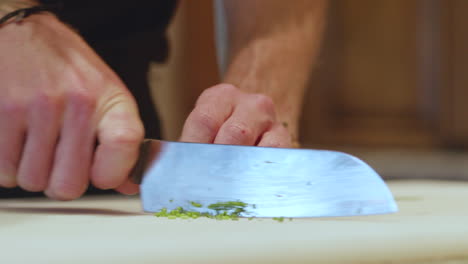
x=431, y=227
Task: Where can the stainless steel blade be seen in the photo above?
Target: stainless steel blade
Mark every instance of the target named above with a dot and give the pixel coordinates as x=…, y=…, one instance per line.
x=275, y=182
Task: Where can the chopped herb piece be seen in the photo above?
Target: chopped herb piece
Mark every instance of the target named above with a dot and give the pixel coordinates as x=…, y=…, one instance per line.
x=239, y=211
x=223, y=211
x=196, y=214
x=227, y=206
x=279, y=219
x=195, y=204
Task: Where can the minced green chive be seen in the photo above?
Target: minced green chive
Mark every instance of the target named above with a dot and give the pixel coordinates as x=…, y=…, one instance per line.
x=279, y=219
x=195, y=204
x=223, y=211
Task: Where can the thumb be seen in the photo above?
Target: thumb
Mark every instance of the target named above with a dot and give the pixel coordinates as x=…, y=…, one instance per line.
x=120, y=133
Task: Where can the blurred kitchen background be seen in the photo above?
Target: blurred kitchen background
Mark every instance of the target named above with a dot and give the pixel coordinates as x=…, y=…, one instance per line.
x=390, y=85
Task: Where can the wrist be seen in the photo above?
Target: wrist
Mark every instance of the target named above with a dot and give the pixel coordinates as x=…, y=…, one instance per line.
x=7, y=6
x=13, y=12
x=37, y=29
x=259, y=69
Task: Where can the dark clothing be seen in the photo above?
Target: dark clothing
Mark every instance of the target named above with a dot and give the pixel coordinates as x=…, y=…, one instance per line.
x=128, y=35
x=114, y=19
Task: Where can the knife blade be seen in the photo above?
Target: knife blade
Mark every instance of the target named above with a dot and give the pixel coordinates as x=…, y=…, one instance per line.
x=274, y=182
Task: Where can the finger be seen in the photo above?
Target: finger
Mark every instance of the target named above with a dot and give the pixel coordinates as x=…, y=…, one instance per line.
x=43, y=130
x=12, y=134
x=120, y=133
x=128, y=188
x=278, y=137
x=213, y=108
x=248, y=122
x=70, y=172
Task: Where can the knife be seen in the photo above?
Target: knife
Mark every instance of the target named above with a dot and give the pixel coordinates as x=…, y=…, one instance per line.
x=274, y=182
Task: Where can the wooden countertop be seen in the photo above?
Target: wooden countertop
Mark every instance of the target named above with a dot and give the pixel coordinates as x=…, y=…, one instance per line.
x=431, y=227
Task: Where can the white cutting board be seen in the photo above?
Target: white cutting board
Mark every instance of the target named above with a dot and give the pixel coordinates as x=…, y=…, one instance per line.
x=431, y=227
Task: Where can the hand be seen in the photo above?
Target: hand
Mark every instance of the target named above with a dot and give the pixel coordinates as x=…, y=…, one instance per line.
x=57, y=97
x=226, y=115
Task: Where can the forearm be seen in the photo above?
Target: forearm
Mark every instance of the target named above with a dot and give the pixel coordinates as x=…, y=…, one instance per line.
x=272, y=46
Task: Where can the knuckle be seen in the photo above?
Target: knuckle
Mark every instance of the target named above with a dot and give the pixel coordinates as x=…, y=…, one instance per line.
x=220, y=89
x=263, y=103
x=125, y=136
x=208, y=93
x=205, y=120
x=83, y=100
x=278, y=137
x=226, y=88
x=49, y=102
x=239, y=132
x=14, y=108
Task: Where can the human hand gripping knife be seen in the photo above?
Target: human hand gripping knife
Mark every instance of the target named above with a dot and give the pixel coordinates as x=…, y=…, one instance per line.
x=274, y=182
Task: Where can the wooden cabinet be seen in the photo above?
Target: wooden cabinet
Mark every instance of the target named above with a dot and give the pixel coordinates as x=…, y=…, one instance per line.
x=391, y=73
x=454, y=50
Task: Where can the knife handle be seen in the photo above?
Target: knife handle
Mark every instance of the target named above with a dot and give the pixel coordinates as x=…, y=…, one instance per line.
x=136, y=175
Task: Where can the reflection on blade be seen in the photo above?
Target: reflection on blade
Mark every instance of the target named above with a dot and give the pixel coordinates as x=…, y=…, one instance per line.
x=278, y=182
